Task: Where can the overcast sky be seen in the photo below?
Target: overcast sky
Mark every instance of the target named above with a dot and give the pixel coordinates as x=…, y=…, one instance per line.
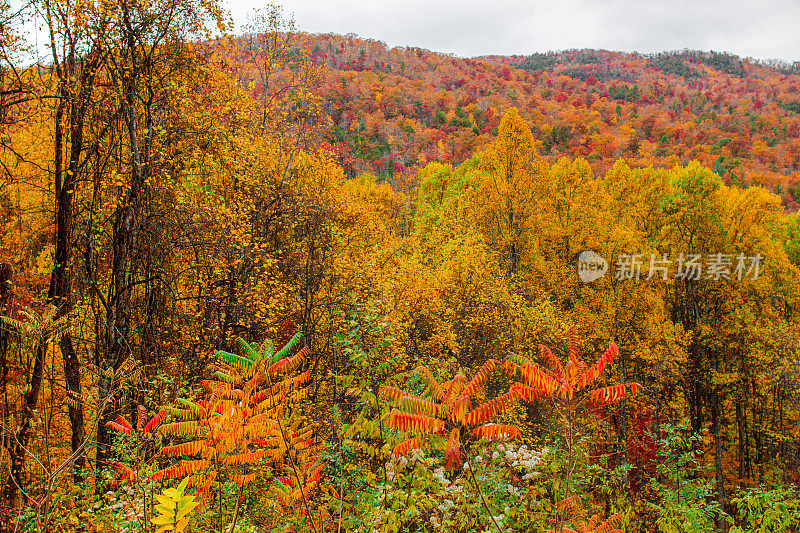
x=765, y=30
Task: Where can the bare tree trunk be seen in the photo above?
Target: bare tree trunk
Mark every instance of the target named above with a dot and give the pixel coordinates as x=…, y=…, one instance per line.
x=9, y=489
x=19, y=447
x=716, y=416
x=742, y=438
x=62, y=272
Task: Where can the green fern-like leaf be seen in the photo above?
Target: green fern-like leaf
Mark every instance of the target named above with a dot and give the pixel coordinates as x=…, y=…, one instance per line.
x=190, y=404
x=233, y=359
x=286, y=350
x=249, y=351
x=227, y=378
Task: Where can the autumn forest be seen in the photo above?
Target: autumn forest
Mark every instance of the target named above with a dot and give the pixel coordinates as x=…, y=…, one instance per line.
x=273, y=281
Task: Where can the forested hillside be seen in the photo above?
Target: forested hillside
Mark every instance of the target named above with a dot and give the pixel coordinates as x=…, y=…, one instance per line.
x=276, y=281
x=398, y=108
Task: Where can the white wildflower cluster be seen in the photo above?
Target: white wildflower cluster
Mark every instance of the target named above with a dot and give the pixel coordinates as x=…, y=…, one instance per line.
x=389, y=471
x=520, y=458
x=439, y=475
x=445, y=506
x=445, y=510
x=452, y=494
x=401, y=461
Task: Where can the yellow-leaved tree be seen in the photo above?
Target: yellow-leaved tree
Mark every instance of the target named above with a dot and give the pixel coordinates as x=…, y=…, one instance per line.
x=506, y=196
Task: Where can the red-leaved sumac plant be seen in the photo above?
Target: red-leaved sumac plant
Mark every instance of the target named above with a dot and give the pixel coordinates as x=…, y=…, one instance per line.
x=135, y=441
x=571, y=388
x=448, y=409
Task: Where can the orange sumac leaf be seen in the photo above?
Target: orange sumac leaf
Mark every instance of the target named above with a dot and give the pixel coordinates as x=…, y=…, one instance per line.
x=413, y=422
x=418, y=405
x=187, y=448
x=394, y=393
x=453, y=452
x=524, y=392
x=489, y=410
x=407, y=445
x=479, y=380
x=536, y=377
x=497, y=431
x=180, y=470
x=434, y=388
x=460, y=408
x=611, y=394
x=547, y=354
x=611, y=353
x=156, y=420
x=243, y=479
x=120, y=425
x=453, y=387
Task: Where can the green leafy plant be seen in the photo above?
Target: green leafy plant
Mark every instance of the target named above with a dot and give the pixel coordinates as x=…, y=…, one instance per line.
x=761, y=510
x=685, y=496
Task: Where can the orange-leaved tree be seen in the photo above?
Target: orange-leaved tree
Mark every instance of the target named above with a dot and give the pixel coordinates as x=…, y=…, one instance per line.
x=447, y=409
x=571, y=387
x=249, y=427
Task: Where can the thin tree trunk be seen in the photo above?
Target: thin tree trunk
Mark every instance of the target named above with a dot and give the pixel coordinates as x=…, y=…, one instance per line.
x=716, y=416
x=62, y=272
x=742, y=438
x=19, y=447
x=117, y=345
x=623, y=413
x=9, y=489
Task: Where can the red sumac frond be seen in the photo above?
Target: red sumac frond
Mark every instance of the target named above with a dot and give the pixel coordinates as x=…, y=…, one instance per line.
x=453, y=451
x=123, y=472
x=414, y=443
x=412, y=422
x=155, y=421
x=497, y=431
x=120, y=425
